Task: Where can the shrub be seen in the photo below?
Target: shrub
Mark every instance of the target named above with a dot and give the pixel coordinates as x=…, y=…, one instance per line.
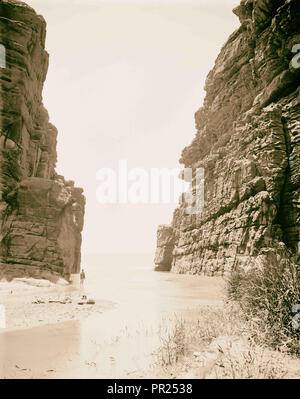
x=173, y=342
x=266, y=294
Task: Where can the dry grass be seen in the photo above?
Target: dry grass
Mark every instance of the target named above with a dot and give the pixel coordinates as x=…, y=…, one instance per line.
x=252, y=362
x=252, y=336
x=217, y=344
x=173, y=341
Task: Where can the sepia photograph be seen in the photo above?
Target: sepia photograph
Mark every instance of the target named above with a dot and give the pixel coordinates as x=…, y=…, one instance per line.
x=149, y=192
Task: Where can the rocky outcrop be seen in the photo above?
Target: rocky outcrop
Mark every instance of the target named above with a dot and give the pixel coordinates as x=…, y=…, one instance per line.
x=41, y=213
x=165, y=246
x=248, y=142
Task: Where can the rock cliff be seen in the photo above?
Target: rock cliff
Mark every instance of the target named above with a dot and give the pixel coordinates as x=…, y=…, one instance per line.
x=248, y=142
x=41, y=214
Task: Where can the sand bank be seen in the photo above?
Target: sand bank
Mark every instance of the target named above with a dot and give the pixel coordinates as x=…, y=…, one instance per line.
x=31, y=303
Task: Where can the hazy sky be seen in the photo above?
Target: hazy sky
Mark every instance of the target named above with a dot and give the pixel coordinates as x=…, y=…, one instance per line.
x=124, y=81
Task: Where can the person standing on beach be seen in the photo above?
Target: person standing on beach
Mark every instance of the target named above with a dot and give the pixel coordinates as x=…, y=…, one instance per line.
x=82, y=278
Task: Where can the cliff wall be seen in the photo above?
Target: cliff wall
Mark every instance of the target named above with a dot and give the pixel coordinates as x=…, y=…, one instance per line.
x=41, y=214
x=248, y=142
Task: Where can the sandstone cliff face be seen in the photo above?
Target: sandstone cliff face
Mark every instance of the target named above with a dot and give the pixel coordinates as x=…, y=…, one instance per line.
x=165, y=246
x=41, y=214
x=248, y=142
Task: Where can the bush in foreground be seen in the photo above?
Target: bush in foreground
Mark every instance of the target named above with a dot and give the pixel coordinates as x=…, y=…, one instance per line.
x=267, y=295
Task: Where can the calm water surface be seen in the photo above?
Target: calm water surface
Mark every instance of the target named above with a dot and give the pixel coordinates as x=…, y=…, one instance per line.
x=121, y=340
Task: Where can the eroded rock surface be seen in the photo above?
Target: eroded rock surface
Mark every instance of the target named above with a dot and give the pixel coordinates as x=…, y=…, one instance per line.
x=248, y=142
x=165, y=246
x=41, y=214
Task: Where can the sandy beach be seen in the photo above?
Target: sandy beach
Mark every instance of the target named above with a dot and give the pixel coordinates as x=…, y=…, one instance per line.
x=42, y=327
x=36, y=303
x=50, y=335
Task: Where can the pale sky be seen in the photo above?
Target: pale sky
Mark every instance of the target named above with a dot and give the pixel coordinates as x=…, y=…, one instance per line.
x=124, y=82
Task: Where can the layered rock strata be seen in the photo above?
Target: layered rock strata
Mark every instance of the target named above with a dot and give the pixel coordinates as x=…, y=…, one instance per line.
x=165, y=246
x=248, y=142
x=41, y=214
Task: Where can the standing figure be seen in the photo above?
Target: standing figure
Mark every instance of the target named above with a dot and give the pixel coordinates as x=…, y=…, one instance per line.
x=82, y=278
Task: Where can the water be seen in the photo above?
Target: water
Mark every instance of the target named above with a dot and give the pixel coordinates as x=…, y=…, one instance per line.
x=119, y=342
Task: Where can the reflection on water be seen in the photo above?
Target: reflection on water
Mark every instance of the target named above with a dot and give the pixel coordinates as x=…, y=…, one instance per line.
x=119, y=341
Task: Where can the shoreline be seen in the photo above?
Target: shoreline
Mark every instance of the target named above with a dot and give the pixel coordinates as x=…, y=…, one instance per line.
x=44, y=337
x=28, y=306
